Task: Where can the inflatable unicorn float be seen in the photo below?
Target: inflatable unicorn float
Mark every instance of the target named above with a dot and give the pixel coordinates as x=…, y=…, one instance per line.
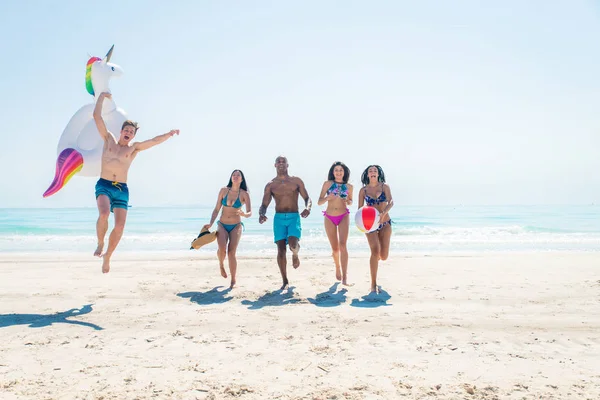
x=80, y=145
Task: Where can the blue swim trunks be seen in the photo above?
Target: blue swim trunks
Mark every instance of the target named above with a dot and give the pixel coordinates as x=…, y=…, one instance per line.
x=117, y=192
x=286, y=225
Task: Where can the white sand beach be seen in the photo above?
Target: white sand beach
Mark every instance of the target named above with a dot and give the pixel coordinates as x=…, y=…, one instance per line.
x=480, y=326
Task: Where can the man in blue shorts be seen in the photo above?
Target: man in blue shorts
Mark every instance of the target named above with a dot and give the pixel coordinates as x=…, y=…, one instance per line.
x=112, y=194
x=286, y=223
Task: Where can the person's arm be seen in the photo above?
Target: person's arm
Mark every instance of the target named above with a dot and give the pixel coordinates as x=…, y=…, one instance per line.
x=390, y=201
x=262, y=211
x=215, y=212
x=246, y=201
x=104, y=133
x=307, y=201
x=361, y=197
x=146, y=144
x=350, y=197
x=324, y=197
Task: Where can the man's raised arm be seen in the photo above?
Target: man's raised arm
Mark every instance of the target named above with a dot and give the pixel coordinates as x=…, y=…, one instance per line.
x=98, y=116
x=146, y=144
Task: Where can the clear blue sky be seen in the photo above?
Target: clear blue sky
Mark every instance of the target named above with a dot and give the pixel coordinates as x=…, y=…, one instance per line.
x=461, y=102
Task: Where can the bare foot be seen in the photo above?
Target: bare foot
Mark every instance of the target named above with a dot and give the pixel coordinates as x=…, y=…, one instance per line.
x=295, y=261
x=295, y=258
x=105, y=265
x=286, y=284
x=375, y=289
x=345, y=283
x=232, y=285
x=338, y=273
x=98, y=252
x=223, y=272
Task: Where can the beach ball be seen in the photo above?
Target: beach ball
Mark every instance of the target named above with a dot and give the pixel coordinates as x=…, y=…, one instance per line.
x=367, y=219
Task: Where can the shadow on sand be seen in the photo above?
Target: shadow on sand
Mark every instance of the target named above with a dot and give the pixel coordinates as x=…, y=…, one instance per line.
x=330, y=298
x=213, y=296
x=272, y=299
x=41, y=320
x=373, y=300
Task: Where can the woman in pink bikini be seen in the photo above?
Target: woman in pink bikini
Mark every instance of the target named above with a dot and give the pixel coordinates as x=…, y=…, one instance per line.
x=376, y=193
x=337, y=193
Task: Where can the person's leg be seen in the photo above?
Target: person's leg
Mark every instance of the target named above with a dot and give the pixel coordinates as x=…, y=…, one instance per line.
x=234, y=239
x=332, y=234
x=222, y=237
x=282, y=262
x=294, y=235
x=280, y=232
x=115, y=236
x=103, y=203
x=294, y=248
x=343, y=230
x=385, y=235
x=373, y=240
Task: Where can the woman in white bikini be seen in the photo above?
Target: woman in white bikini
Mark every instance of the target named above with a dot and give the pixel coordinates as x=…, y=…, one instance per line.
x=337, y=193
x=376, y=193
x=229, y=231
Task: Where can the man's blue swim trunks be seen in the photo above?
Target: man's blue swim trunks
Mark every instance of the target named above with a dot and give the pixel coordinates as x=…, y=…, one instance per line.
x=117, y=192
x=286, y=225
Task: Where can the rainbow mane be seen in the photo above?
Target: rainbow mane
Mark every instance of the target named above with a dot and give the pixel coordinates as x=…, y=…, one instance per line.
x=88, y=74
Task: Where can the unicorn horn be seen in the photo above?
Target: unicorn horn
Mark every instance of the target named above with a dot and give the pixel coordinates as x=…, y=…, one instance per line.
x=109, y=54
x=69, y=162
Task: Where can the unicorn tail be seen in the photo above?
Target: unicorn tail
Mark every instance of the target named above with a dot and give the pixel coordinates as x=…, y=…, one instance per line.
x=69, y=162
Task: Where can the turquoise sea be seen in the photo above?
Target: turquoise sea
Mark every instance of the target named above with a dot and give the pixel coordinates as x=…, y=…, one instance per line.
x=416, y=229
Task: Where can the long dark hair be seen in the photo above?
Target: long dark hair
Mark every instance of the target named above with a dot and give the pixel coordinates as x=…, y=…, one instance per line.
x=330, y=176
x=242, y=185
x=365, y=175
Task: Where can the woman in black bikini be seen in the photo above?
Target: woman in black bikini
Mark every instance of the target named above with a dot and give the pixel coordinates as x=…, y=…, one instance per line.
x=376, y=193
x=231, y=198
x=337, y=193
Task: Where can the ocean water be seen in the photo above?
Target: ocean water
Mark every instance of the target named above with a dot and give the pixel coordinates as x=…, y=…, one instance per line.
x=416, y=229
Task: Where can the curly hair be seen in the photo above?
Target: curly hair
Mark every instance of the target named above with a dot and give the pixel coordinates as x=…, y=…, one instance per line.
x=365, y=175
x=346, y=177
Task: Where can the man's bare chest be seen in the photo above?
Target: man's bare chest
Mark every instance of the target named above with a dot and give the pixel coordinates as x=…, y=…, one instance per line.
x=284, y=189
x=120, y=152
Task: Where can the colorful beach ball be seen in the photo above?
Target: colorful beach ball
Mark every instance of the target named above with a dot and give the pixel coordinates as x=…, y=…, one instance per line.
x=367, y=219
